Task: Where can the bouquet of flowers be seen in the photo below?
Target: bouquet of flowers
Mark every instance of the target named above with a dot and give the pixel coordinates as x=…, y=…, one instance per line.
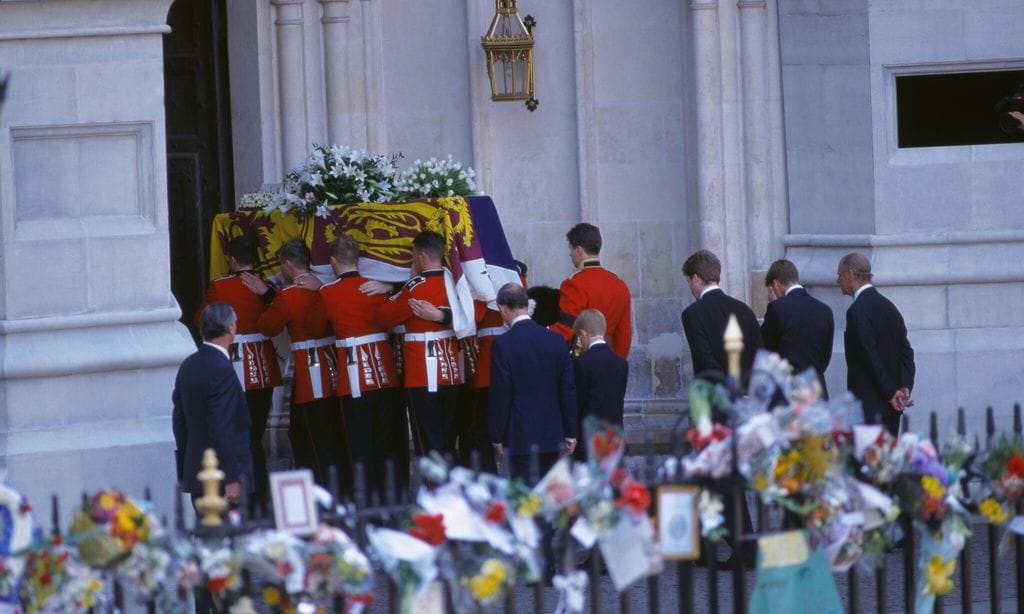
x=108, y=525
x=335, y=565
x=55, y=582
x=435, y=178
x=256, y=201
x=1004, y=470
x=336, y=175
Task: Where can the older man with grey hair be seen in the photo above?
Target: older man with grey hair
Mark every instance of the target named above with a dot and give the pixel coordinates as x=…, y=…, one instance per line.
x=879, y=360
x=210, y=409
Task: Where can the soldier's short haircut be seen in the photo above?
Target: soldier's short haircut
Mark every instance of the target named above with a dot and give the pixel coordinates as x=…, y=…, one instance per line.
x=513, y=296
x=592, y=322
x=243, y=249
x=430, y=243
x=858, y=264
x=216, y=320
x=586, y=236
x=295, y=252
x=782, y=270
x=704, y=265
x=345, y=249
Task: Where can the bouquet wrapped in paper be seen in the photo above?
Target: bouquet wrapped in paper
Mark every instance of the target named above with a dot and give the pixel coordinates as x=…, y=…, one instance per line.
x=108, y=525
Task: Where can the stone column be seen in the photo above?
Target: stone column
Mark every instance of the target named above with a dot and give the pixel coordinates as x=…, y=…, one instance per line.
x=477, y=20
x=756, y=159
x=708, y=101
x=88, y=326
x=373, y=71
x=586, y=126
x=335, y=22
x=291, y=71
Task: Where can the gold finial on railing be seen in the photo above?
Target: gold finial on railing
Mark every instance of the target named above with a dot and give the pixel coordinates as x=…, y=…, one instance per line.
x=211, y=505
x=733, y=338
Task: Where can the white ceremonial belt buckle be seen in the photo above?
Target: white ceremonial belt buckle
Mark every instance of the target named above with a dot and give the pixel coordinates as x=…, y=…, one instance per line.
x=312, y=343
x=351, y=342
x=430, y=336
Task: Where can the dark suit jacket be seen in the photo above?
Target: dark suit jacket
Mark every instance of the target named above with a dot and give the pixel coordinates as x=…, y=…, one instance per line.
x=600, y=384
x=879, y=359
x=800, y=328
x=532, y=396
x=210, y=412
x=704, y=323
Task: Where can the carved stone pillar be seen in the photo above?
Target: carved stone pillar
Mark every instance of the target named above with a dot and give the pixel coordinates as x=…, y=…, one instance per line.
x=291, y=75
x=707, y=76
x=335, y=22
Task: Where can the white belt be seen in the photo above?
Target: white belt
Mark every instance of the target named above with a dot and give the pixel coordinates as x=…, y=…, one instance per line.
x=250, y=338
x=491, y=332
x=312, y=343
x=351, y=342
x=430, y=336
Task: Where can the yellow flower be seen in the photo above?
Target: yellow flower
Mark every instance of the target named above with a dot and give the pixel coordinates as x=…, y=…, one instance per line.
x=932, y=486
x=760, y=481
x=485, y=585
x=107, y=501
x=936, y=574
x=992, y=511
x=271, y=596
x=495, y=569
x=530, y=506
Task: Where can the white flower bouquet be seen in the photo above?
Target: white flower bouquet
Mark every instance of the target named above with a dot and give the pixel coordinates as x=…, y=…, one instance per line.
x=435, y=178
x=336, y=175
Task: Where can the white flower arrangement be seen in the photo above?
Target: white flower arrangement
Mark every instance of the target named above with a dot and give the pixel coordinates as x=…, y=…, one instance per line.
x=434, y=178
x=336, y=175
x=254, y=201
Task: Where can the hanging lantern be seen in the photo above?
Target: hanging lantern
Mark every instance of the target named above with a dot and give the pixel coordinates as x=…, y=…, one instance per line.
x=509, y=48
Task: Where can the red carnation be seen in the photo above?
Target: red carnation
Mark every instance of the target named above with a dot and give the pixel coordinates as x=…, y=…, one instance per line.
x=495, y=512
x=1016, y=465
x=636, y=497
x=428, y=527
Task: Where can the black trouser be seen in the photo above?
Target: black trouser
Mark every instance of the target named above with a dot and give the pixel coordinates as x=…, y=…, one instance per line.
x=378, y=432
x=259, y=402
x=315, y=433
x=472, y=431
x=432, y=414
x=519, y=466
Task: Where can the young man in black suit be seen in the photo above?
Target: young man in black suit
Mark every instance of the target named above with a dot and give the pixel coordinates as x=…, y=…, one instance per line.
x=601, y=376
x=532, y=401
x=879, y=360
x=704, y=321
x=796, y=325
x=210, y=409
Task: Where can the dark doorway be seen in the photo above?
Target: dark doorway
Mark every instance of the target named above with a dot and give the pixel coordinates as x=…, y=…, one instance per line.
x=200, y=180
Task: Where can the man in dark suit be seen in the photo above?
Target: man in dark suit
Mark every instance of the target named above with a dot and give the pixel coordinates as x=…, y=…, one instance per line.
x=601, y=375
x=879, y=359
x=704, y=321
x=796, y=325
x=210, y=409
x=533, y=397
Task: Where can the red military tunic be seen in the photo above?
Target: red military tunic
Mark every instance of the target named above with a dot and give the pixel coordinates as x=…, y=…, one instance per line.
x=315, y=376
x=425, y=342
x=595, y=287
x=488, y=326
x=252, y=353
x=363, y=349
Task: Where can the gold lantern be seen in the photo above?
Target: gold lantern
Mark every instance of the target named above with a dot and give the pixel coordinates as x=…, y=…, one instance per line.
x=509, y=48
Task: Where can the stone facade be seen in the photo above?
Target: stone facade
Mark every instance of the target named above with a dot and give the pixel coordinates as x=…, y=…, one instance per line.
x=754, y=128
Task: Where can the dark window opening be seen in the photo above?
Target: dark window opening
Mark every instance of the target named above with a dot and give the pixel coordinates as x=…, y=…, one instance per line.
x=958, y=109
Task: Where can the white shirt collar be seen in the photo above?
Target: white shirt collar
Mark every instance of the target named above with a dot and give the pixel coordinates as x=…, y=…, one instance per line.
x=219, y=349
x=595, y=342
x=708, y=289
x=793, y=287
x=859, y=290
x=519, y=319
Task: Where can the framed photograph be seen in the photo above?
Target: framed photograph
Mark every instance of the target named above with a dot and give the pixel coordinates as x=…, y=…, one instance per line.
x=678, y=522
x=294, y=507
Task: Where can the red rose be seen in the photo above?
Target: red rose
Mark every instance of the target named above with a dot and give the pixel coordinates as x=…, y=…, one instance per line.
x=428, y=527
x=636, y=497
x=495, y=512
x=217, y=585
x=618, y=477
x=1016, y=465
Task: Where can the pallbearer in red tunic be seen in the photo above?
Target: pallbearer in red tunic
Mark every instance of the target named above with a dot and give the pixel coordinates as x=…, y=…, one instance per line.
x=368, y=383
x=594, y=287
x=432, y=361
x=315, y=422
x=252, y=353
